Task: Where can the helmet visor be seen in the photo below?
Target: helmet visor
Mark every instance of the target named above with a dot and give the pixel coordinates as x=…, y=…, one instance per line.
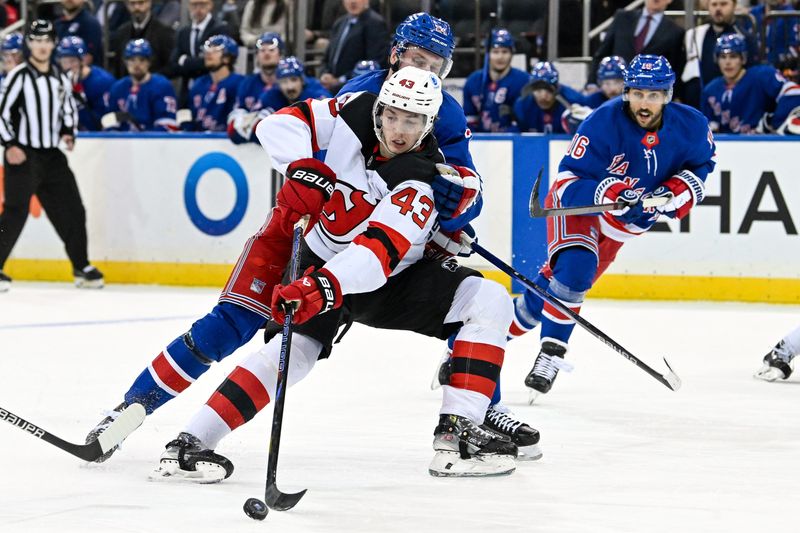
x=415, y=56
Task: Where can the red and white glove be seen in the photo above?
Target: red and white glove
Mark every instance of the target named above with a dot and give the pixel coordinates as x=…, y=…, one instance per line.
x=683, y=191
x=309, y=184
x=446, y=244
x=315, y=293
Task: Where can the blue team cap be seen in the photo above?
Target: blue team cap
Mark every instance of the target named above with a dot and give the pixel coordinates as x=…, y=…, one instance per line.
x=71, y=46
x=138, y=48
x=12, y=42
x=364, y=67
x=731, y=43
x=288, y=67
x=611, y=68
x=501, y=38
x=270, y=38
x=544, y=75
x=224, y=43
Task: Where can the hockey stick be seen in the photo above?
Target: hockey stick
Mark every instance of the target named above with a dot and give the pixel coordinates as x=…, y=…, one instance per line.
x=669, y=380
x=537, y=211
x=125, y=424
x=274, y=498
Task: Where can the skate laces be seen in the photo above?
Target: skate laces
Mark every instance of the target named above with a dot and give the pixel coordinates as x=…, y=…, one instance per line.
x=503, y=421
x=781, y=351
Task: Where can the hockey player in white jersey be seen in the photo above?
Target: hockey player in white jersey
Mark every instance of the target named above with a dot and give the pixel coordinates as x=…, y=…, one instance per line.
x=777, y=363
x=364, y=261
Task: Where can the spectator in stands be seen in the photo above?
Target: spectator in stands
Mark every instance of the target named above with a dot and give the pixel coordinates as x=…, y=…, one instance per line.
x=545, y=100
x=261, y=16
x=141, y=101
x=187, y=58
x=90, y=83
x=213, y=95
x=701, y=65
x=115, y=12
x=78, y=20
x=749, y=100
x=143, y=25
x=242, y=120
x=490, y=93
x=782, y=33
x=360, y=34
x=12, y=52
x=644, y=31
x=229, y=13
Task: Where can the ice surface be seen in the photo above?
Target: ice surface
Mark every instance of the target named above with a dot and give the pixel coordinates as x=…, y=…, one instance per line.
x=622, y=453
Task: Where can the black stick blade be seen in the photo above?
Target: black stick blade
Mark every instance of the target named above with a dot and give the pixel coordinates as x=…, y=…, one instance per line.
x=533, y=203
x=278, y=501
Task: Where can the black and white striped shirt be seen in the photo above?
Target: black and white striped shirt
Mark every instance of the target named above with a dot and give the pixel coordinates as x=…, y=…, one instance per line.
x=36, y=109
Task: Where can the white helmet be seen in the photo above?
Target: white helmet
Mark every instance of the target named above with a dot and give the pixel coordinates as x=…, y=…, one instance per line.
x=409, y=89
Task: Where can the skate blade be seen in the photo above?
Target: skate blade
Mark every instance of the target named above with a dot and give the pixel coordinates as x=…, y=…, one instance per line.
x=533, y=394
x=5, y=286
x=529, y=453
x=769, y=373
x=169, y=471
x=84, y=284
x=450, y=464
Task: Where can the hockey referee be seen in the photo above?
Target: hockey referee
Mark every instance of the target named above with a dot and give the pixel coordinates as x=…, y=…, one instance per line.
x=37, y=111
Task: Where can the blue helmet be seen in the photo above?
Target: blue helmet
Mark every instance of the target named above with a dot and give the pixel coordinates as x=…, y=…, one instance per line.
x=611, y=68
x=288, y=67
x=224, y=43
x=731, y=43
x=12, y=42
x=428, y=32
x=501, y=38
x=138, y=48
x=544, y=74
x=649, y=72
x=364, y=67
x=270, y=38
x=71, y=46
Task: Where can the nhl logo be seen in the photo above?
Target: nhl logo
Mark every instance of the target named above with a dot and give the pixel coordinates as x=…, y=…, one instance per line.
x=651, y=139
x=450, y=264
x=257, y=286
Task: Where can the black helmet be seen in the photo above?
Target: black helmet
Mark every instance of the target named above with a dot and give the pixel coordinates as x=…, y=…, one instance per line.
x=41, y=28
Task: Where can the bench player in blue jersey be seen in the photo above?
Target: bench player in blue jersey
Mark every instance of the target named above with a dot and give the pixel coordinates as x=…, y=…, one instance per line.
x=90, y=83
x=636, y=146
x=213, y=95
x=141, y=101
x=490, y=93
x=12, y=52
x=753, y=99
x=545, y=101
x=611, y=79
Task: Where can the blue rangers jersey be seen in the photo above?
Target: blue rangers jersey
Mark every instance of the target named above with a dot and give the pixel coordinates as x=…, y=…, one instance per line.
x=251, y=91
x=738, y=108
x=450, y=129
x=610, y=147
x=151, y=104
x=532, y=118
x=212, y=103
x=274, y=100
x=595, y=99
x=91, y=94
x=489, y=104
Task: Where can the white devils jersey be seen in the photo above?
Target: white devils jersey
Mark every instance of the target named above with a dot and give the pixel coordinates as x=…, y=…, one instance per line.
x=381, y=213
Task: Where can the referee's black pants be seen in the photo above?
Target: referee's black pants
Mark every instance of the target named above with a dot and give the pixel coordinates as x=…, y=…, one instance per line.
x=46, y=174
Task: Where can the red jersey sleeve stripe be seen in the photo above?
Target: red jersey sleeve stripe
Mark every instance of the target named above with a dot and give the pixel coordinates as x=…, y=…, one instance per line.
x=226, y=410
x=474, y=383
x=251, y=385
x=476, y=350
x=168, y=375
x=388, y=245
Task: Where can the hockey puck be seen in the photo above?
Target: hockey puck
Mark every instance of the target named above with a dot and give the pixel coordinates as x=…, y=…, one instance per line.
x=255, y=509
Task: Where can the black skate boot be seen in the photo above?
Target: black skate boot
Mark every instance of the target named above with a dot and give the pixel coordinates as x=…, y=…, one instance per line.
x=464, y=449
x=187, y=459
x=102, y=426
x=88, y=278
x=546, y=367
x=501, y=421
x=777, y=363
x=5, y=282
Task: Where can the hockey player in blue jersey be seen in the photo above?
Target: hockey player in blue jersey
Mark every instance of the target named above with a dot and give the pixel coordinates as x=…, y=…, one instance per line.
x=632, y=147
x=540, y=110
x=90, y=84
x=364, y=66
x=12, y=52
x=748, y=100
x=611, y=78
x=490, y=93
x=292, y=87
x=243, y=118
x=141, y=101
x=213, y=95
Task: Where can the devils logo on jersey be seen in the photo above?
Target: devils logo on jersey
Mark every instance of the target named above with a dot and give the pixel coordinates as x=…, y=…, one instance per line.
x=347, y=209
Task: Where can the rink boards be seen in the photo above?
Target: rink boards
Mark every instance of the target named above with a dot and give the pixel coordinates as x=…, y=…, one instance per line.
x=176, y=210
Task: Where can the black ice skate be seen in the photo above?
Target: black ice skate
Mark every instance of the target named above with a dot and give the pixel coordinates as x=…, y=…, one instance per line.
x=464, y=449
x=501, y=421
x=549, y=361
x=5, y=281
x=88, y=278
x=102, y=426
x=777, y=364
x=187, y=459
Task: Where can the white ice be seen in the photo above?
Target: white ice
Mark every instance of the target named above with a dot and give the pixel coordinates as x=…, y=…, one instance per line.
x=621, y=452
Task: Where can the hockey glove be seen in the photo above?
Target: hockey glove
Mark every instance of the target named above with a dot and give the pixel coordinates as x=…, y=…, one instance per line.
x=446, y=244
x=456, y=194
x=683, y=190
x=242, y=126
x=309, y=185
x=313, y=294
x=574, y=117
x=632, y=208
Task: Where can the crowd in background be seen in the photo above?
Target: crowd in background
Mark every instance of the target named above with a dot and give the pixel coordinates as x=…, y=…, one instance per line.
x=161, y=75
